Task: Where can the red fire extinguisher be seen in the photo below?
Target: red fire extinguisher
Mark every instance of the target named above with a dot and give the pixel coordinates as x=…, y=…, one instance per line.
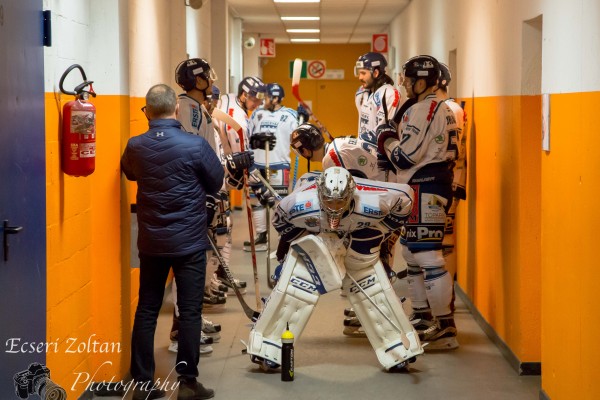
x=78, y=128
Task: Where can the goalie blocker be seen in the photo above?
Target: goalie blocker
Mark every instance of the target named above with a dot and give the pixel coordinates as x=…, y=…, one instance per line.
x=317, y=265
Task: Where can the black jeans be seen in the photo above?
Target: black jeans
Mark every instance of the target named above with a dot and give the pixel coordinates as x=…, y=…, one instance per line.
x=190, y=274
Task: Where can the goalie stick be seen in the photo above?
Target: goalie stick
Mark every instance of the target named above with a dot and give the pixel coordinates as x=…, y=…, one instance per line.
x=250, y=313
x=227, y=119
x=297, y=71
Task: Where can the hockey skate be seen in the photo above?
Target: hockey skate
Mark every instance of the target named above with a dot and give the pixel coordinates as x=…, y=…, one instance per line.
x=349, y=312
x=222, y=276
x=353, y=328
x=205, y=343
x=211, y=329
x=260, y=243
x=440, y=336
x=421, y=320
x=265, y=365
x=213, y=303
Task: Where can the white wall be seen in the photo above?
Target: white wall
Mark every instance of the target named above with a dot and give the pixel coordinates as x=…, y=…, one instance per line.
x=198, y=34
x=487, y=35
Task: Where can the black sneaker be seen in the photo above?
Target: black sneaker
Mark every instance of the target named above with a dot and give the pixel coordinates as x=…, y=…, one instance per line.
x=193, y=390
x=153, y=393
x=260, y=242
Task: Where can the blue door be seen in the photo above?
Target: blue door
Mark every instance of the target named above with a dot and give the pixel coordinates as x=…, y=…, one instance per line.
x=22, y=192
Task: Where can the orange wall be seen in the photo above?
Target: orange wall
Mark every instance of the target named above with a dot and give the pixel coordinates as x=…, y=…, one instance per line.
x=499, y=225
x=570, y=276
x=332, y=100
x=85, y=272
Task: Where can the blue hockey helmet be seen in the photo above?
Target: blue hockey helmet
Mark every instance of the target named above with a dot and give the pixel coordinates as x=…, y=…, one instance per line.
x=187, y=71
x=422, y=67
x=275, y=90
x=253, y=86
x=371, y=61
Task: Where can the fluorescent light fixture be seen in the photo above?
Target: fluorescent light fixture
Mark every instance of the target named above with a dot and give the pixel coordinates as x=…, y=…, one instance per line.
x=303, y=30
x=296, y=1
x=300, y=18
x=305, y=40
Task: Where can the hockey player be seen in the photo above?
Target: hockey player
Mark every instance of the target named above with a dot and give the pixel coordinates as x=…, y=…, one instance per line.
x=424, y=155
x=334, y=225
x=460, y=171
x=360, y=159
x=377, y=99
x=272, y=123
x=250, y=95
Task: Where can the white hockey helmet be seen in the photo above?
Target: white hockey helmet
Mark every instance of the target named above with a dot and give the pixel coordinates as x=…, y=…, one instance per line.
x=336, y=189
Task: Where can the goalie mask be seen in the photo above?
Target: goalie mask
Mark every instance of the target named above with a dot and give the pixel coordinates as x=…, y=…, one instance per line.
x=336, y=189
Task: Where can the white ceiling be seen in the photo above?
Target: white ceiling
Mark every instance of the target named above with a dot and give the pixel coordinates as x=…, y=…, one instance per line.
x=342, y=21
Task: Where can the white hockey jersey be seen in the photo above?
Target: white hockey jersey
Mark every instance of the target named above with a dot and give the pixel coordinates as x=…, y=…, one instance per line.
x=230, y=104
x=459, y=183
x=371, y=112
x=376, y=209
x=354, y=154
x=428, y=134
x=195, y=119
x=281, y=123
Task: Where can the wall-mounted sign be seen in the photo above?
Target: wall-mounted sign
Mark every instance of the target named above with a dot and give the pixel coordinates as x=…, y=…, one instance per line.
x=267, y=47
x=379, y=43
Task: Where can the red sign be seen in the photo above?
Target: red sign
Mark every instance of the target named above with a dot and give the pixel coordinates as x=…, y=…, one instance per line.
x=380, y=43
x=267, y=47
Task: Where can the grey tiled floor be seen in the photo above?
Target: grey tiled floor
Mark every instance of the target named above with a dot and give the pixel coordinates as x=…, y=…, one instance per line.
x=329, y=365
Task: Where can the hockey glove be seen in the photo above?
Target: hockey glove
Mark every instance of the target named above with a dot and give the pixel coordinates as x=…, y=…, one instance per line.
x=303, y=115
x=239, y=161
x=264, y=196
x=259, y=140
x=385, y=132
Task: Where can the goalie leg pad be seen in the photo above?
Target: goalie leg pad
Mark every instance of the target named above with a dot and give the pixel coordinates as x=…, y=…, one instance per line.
x=393, y=342
x=309, y=270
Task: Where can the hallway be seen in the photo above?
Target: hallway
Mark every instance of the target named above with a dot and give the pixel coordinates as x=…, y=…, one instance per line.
x=329, y=365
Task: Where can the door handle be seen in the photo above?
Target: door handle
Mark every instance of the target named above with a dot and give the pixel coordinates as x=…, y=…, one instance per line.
x=8, y=230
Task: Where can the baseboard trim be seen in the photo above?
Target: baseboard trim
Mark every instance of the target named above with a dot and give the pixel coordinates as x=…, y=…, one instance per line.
x=522, y=368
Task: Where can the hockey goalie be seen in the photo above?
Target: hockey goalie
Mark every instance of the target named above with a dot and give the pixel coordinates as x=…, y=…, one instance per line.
x=333, y=225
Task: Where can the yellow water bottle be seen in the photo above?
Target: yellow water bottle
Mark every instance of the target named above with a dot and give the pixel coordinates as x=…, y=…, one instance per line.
x=287, y=355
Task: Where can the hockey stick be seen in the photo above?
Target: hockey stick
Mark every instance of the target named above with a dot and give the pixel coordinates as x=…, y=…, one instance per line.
x=227, y=119
x=220, y=115
x=270, y=282
x=257, y=175
x=297, y=72
x=250, y=313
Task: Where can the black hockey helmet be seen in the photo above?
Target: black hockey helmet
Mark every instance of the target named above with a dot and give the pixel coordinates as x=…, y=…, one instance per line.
x=187, y=71
x=275, y=90
x=306, y=136
x=253, y=86
x=445, y=76
x=422, y=67
x=371, y=61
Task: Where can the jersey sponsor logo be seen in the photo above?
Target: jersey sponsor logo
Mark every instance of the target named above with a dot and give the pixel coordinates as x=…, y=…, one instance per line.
x=370, y=188
x=439, y=139
x=195, y=118
x=299, y=207
x=364, y=283
x=372, y=210
x=362, y=161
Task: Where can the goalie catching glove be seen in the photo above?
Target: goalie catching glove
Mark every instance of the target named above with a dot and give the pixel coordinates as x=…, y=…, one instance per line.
x=259, y=140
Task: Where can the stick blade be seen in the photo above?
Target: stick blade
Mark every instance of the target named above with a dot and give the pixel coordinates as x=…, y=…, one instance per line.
x=296, y=72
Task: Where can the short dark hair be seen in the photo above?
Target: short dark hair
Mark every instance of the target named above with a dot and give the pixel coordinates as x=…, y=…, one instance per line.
x=161, y=101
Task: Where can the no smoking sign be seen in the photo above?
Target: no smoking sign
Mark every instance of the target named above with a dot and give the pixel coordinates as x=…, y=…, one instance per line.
x=316, y=69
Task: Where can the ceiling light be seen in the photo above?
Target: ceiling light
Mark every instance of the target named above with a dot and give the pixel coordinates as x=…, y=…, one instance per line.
x=303, y=30
x=296, y=1
x=306, y=40
x=300, y=18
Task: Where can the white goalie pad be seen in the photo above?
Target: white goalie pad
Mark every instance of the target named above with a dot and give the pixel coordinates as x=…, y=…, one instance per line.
x=309, y=270
x=387, y=327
